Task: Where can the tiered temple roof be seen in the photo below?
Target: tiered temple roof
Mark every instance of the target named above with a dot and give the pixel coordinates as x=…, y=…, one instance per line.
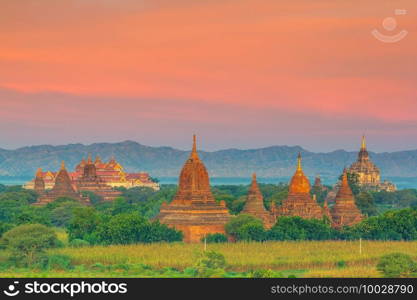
x=194, y=210
x=62, y=188
x=345, y=212
x=255, y=205
x=299, y=201
x=368, y=173
x=111, y=173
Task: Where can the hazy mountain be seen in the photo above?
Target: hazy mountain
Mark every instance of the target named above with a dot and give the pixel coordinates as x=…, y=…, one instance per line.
x=275, y=161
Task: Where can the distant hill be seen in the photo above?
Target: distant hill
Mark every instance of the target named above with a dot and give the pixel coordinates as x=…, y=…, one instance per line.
x=275, y=161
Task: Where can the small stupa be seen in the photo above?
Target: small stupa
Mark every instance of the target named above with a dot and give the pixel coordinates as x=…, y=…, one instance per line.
x=345, y=212
x=255, y=205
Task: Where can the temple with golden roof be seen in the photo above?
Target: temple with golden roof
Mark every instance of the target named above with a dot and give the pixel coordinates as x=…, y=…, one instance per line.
x=345, y=212
x=62, y=188
x=254, y=205
x=299, y=201
x=111, y=173
x=194, y=210
x=91, y=182
x=368, y=173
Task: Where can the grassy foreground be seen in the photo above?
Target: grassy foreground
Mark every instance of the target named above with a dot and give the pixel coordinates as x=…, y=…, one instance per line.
x=318, y=259
x=302, y=259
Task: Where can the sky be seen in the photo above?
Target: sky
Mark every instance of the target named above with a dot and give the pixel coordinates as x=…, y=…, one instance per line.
x=238, y=73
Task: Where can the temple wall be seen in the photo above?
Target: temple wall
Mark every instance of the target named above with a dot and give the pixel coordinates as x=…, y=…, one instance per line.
x=195, y=233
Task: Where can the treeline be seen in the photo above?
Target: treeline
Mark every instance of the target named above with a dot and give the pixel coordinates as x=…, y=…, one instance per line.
x=391, y=225
x=125, y=220
x=128, y=219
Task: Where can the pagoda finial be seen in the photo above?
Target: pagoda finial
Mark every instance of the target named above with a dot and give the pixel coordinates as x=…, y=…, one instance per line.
x=345, y=177
x=90, y=159
x=363, y=145
x=194, y=153
x=63, y=165
x=299, y=168
x=254, y=177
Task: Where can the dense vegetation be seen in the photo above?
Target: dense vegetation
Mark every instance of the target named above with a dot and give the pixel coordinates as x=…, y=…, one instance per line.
x=127, y=219
x=28, y=233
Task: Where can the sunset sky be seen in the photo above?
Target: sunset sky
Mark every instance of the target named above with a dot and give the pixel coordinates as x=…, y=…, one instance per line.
x=238, y=73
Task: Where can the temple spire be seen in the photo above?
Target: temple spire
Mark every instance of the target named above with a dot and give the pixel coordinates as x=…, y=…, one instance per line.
x=63, y=165
x=194, y=153
x=345, y=177
x=363, y=145
x=90, y=159
x=254, y=186
x=299, y=168
x=39, y=172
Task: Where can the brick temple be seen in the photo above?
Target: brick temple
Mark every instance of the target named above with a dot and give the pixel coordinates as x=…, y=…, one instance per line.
x=344, y=211
x=194, y=210
x=63, y=188
x=299, y=201
x=255, y=205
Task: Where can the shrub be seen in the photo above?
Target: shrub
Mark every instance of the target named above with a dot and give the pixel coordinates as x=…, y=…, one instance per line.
x=341, y=264
x=211, y=264
x=27, y=243
x=262, y=274
x=78, y=243
x=58, y=262
x=215, y=238
x=397, y=265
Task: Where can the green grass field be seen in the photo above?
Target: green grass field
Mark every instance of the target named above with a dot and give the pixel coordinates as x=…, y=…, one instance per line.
x=301, y=259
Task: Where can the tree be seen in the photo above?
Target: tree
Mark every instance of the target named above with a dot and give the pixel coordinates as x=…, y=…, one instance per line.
x=132, y=228
x=32, y=215
x=353, y=180
x=297, y=228
x=366, y=204
x=83, y=224
x=391, y=225
x=62, y=214
x=245, y=227
x=397, y=265
x=27, y=243
x=251, y=232
x=4, y=227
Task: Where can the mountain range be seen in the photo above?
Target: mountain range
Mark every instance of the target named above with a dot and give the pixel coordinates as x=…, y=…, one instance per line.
x=274, y=161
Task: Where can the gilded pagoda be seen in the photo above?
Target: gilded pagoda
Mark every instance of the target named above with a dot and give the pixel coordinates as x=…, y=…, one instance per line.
x=368, y=173
x=299, y=201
